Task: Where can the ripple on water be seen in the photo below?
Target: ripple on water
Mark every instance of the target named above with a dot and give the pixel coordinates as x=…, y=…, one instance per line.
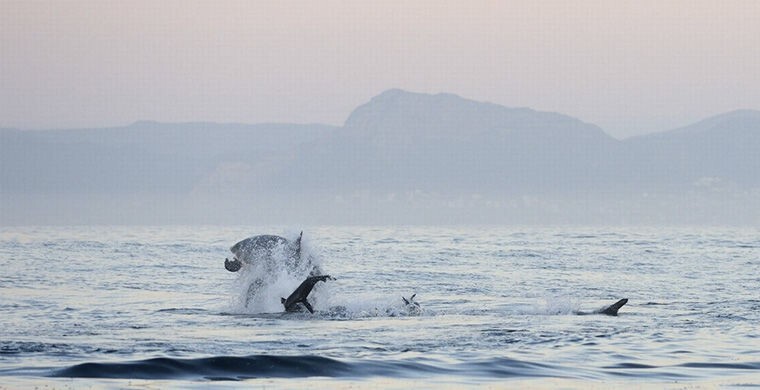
x=97, y=303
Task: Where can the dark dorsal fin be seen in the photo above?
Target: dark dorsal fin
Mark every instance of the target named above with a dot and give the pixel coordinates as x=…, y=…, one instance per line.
x=298, y=245
x=612, y=310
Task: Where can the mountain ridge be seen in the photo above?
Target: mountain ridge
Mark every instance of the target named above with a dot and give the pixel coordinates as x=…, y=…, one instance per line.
x=731, y=114
x=417, y=155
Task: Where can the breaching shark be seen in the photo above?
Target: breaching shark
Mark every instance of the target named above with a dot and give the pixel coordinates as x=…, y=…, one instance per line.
x=270, y=255
x=263, y=248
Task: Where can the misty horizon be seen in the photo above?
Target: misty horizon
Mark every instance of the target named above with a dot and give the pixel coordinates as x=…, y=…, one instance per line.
x=149, y=121
x=400, y=158
x=281, y=113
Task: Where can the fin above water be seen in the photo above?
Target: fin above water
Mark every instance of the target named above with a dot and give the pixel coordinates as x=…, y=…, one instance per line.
x=307, y=305
x=612, y=310
x=410, y=301
x=298, y=245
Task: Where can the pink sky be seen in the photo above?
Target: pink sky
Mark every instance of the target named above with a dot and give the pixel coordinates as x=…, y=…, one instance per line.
x=629, y=66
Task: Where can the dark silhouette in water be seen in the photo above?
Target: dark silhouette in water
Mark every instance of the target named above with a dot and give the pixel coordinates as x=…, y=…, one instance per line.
x=301, y=294
x=611, y=310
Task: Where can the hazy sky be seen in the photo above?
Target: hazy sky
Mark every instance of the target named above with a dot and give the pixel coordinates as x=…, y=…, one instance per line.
x=629, y=66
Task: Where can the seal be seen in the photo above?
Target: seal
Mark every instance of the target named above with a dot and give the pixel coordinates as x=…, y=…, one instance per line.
x=301, y=294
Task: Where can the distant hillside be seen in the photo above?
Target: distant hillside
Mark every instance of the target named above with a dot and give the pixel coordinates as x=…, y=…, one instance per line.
x=142, y=157
x=400, y=158
x=721, y=150
x=409, y=141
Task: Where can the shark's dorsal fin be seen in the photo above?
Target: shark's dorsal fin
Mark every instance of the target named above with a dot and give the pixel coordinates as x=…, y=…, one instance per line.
x=298, y=245
x=612, y=310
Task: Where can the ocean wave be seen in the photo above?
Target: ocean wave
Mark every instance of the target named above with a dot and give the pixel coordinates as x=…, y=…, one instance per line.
x=24, y=347
x=267, y=366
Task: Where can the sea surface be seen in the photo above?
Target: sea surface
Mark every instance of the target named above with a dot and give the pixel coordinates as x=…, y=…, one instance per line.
x=153, y=307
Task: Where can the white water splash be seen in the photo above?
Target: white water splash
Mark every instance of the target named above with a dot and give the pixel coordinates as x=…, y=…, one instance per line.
x=270, y=276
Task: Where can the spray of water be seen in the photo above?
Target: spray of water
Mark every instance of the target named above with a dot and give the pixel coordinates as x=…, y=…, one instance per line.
x=275, y=273
x=556, y=305
x=370, y=305
x=270, y=274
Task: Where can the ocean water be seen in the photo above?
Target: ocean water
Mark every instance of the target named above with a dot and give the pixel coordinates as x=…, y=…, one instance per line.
x=154, y=307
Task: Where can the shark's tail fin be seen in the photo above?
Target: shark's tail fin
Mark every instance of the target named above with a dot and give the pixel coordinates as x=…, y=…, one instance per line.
x=283, y=300
x=612, y=310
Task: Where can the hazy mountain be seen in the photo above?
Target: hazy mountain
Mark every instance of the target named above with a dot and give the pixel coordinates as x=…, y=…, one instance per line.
x=410, y=141
x=142, y=157
x=721, y=150
x=400, y=158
